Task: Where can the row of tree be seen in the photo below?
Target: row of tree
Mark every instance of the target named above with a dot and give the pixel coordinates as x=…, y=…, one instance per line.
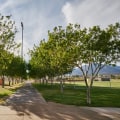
x=90, y=49
x=11, y=65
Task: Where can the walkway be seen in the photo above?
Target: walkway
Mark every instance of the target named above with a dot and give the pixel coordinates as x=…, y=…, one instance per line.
x=28, y=104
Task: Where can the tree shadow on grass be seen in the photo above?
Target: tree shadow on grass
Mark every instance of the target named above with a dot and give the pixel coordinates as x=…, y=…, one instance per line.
x=105, y=96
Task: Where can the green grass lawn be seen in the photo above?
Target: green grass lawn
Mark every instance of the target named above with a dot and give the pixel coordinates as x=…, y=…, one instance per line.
x=7, y=91
x=102, y=94
x=112, y=83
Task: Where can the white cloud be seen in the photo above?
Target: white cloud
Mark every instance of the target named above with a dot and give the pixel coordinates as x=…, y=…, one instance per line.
x=92, y=12
x=9, y=4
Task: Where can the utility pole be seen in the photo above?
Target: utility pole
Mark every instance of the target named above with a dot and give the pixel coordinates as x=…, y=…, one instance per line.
x=22, y=49
x=22, y=41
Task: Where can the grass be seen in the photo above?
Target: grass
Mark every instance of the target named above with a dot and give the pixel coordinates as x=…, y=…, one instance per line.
x=102, y=96
x=7, y=91
x=112, y=83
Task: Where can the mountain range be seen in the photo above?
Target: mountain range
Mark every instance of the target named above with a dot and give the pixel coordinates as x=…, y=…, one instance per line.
x=106, y=70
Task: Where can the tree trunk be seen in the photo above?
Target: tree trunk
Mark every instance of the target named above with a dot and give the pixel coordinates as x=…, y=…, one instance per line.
x=40, y=80
x=9, y=81
x=15, y=80
x=3, y=82
x=61, y=85
x=12, y=80
x=43, y=82
x=88, y=95
x=46, y=81
x=51, y=79
x=21, y=80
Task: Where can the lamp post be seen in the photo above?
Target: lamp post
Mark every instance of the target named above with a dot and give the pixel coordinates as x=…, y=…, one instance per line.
x=22, y=41
x=22, y=47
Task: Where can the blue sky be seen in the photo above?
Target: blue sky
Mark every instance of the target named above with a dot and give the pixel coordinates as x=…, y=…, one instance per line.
x=39, y=16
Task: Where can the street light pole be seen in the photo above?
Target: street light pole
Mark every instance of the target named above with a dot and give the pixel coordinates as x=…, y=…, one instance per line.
x=22, y=41
x=22, y=49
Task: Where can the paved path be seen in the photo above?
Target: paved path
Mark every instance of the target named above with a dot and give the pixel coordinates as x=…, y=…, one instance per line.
x=26, y=95
x=28, y=104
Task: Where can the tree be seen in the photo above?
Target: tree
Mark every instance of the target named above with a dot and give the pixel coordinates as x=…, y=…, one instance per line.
x=51, y=57
x=60, y=54
x=7, y=43
x=95, y=48
x=89, y=49
x=17, y=68
x=38, y=61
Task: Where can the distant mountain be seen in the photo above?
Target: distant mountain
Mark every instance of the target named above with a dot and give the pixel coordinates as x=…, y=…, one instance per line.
x=106, y=70
x=110, y=70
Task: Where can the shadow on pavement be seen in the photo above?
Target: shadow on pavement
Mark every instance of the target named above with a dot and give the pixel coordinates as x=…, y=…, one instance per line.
x=30, y=104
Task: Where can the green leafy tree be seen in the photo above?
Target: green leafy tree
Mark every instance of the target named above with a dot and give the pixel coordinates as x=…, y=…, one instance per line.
x=17, y=68
x=89, y=49
x=95, y=48
x=7, y=43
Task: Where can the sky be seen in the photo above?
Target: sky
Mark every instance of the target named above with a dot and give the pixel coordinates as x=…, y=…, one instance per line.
x=39, y=16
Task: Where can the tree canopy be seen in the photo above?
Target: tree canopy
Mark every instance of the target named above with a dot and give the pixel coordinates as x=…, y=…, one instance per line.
x=8, y=46
x=90, y=49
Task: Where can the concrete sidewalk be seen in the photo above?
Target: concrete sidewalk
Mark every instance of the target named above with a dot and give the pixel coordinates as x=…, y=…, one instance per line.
x=28, y=104
x=25, y=104
x=26, y=95
x=20, y=105
x=7, y=113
